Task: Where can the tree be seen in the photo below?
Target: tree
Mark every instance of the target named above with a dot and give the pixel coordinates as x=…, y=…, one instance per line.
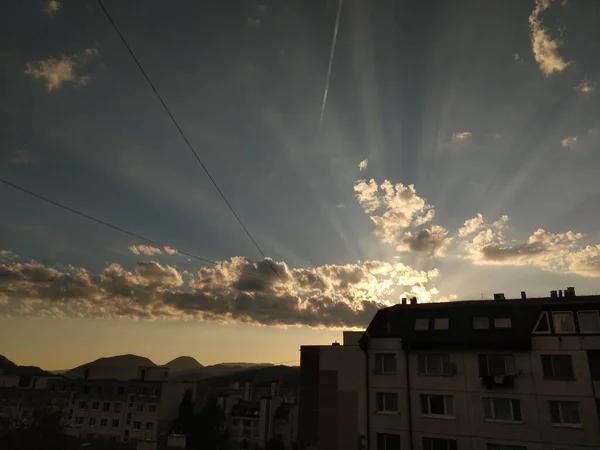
x=275, y=443
x=205, y=431
x=44, y=430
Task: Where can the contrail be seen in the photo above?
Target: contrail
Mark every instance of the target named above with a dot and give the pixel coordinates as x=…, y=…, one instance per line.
x=331, y=53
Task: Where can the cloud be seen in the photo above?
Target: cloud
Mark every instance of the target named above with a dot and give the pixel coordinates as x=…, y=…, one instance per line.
x=517, y=58
x=63, y=70
x=586, y=87
x=340, y=206
x=401, y=205
x=471, y=225
x=363, y=164
x=545, y=49
x=18, y=157
x=569, y=142
x=462, y=136
x=143, y=249
x=170, y=250
x=52, y=6
x=236, y=290
x=432, y=241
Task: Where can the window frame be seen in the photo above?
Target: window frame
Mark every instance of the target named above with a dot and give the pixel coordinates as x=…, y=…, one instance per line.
x=506, y=366
x=151, y=409
x=385, y=410
x=103, y=423
x=137, y=425
x=383, y=437
x=498, y=327
x=451, y=444
x=511, y=401
x=587, y=311
x=560, y=404
x=445, y=401
x=551, y=358
x=380, y=364
x=445, y=363
x=487, y=322
x=570, y=313
x=543, y=315
x=445, y=322
x=421, y=320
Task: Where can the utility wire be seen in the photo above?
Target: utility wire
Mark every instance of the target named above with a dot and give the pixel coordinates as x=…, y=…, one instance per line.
x=115, y=227
x=188, y=143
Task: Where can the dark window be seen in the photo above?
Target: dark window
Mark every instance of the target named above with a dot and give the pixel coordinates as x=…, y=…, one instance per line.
x=435, y=365
x=496, y=408
x=439, y=444
x=387, y=402
x=387, y=441
x=385, y=363
x=437, y=405
x=496, y=365
x=86, y=389
x=594, y=363
x=106, y=406
x=143, y=377
x=120, y=390
x=557, y=367
x=565, y=413
x=543, y=324
x=99, y=389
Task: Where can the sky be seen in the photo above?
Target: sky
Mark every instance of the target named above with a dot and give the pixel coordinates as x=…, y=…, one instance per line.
x=455, y=156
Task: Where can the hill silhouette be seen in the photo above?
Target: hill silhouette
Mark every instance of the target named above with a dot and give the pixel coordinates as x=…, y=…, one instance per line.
x=183, y=364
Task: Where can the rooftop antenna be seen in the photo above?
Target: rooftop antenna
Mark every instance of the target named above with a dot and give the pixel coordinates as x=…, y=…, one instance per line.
x=481, y=295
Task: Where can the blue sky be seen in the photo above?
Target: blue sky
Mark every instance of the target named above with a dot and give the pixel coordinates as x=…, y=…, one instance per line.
x=490, y=110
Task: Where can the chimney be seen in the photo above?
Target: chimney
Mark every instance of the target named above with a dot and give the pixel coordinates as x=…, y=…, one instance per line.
x=413, y=301
x=523, y=295
x=553, y=294
x=560, y=293
x=499, y=296
x=336, y=344
x=404, y=300
x=570, y=292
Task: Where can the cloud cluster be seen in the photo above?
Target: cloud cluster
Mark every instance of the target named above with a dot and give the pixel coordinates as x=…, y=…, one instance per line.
x=363, y=165
x=586, y=87
x=569, y=142
x=62, y=70
x=149, y=250
x=462, y=136
x=236, y=290
x=545, y=49
x=395, y=208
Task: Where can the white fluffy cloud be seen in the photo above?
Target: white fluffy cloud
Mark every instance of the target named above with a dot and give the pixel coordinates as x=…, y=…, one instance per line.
x=569, y=142
x=143, y=249
x=52, y=6
x=62, y=70
x=401, y=207
x=236, y=290
x=432, y=241
x=462, y=136
x=545, y=49
x=363, y=164
x=471, y=225
x=586, y=87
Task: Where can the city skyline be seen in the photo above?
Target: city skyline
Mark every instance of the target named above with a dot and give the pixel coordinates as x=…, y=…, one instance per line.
x=455, y=157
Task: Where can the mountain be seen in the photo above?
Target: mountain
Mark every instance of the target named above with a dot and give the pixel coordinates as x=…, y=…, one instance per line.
x=289, y=375
x=125, y=365
x=10, y=368
x=183, y=364
x=215, y=370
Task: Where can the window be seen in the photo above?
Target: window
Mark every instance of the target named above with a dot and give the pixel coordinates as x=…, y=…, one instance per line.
x=115, y=423
x=439, y=444
x=435, y=365
x=103, y=422
x=137, y=425
x=437, y=405
x=82, y=404
x=120, y=390
x=543, y=324
x=151, y=409
x=589, y=321
x=142, y=391
x=78, y=420
x=594, y=363
x=131, y=397
x=95, y=406
x=247, y=422
x=128, y=418
x=154, y=392
x=502, y=323
x=421, y=324
x=139, y=407
x=106, y=406
x=481, y=323
x=508, y=409
x=563, y=322
x=441, y=323
x=92, y=422
x=387, y=441
x=149, y=426
x=63, y=388
x=385, y=364
x=86, y=389
x=387, y=402
x=565, y=413
x=496, y=365
x=99, y=389
x=505, y=447
x=117, y=407
x=557, y=367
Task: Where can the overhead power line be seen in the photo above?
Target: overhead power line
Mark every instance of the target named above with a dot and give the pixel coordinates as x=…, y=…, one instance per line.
x=187, y=141
x=117, y=228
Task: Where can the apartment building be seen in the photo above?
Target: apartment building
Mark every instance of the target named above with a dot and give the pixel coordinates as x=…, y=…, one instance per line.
x=100, y=406
x=520, y=374
x=332, y=399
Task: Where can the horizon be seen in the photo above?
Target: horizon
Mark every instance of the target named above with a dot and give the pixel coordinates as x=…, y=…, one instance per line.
x=288, y=169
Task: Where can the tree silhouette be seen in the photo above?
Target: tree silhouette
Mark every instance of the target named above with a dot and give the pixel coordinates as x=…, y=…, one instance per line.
x=44, y=430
